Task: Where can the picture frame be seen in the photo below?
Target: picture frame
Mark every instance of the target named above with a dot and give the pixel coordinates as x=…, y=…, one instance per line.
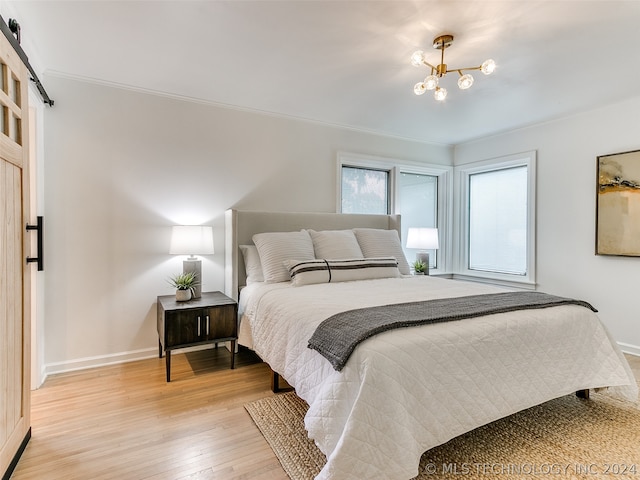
x=618, y=204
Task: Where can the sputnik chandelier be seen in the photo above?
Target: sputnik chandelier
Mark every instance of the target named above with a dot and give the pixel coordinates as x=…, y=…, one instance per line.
x=439, y=71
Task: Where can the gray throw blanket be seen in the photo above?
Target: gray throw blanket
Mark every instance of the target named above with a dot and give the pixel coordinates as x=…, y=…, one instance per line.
x=337, y=336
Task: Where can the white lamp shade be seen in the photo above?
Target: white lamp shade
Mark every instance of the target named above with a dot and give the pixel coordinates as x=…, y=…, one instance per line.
x=423, y=238
x=191, y=240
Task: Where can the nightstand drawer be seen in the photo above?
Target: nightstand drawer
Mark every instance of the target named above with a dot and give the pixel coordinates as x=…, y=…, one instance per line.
x=221, y=322
x=184, y=328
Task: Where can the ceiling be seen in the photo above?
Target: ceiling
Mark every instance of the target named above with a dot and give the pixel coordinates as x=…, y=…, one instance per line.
x=346, y=63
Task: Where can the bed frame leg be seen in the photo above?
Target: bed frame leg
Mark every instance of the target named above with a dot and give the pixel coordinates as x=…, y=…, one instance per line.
x=583, y=394
x=275, y=384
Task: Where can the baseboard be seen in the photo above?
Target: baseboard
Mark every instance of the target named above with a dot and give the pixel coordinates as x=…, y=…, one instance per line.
x=99, y=361
x=112, y=359
x=43, y=376
x=630, y=349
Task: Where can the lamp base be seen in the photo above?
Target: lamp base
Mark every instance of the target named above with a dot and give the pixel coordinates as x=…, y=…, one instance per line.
x=424, y=258
x=195, y=266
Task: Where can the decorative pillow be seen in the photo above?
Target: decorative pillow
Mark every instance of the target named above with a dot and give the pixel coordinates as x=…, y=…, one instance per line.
x=335, y=244
x=382, y=243
x=252, y=265
x=276, y=247
x=328, y=271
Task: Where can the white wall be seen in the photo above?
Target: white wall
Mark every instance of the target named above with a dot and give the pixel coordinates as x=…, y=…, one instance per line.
x=123, y=166
x=566, y=202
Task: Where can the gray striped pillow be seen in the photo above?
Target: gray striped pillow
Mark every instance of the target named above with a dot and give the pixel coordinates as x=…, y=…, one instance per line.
x=382, y=243
x=330, y=271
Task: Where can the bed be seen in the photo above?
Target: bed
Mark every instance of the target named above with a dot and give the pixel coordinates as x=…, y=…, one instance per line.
x=407, y=390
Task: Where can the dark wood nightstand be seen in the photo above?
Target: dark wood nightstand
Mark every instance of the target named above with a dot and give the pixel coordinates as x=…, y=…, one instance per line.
x=211, y=318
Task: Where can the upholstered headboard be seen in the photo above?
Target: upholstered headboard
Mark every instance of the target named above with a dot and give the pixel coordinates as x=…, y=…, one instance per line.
x=241, y=225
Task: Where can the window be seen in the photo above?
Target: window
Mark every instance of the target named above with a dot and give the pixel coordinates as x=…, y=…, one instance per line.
x=418, y=200
x=498, y=221
x=420, y=193
x=365, y=190
x=498, y=218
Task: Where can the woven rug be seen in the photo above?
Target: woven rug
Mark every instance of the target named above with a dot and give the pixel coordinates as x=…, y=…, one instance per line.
x=564, y=438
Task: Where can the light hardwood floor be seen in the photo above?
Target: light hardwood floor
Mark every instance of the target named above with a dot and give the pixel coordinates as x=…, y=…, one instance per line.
x=634, y=361
x=125, y=422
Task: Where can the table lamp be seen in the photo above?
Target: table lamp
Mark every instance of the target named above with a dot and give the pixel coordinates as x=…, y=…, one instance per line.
x=423, y=239
x=192, y=240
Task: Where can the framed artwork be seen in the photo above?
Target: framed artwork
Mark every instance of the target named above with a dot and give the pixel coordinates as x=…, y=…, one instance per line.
x=618, y=204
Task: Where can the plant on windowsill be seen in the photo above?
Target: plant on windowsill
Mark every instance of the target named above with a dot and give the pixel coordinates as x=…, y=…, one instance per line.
x=419, y=267
x=184, y=284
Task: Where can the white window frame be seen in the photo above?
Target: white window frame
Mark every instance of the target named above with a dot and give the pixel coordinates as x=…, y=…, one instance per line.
x=462, y=174
x=395, y=167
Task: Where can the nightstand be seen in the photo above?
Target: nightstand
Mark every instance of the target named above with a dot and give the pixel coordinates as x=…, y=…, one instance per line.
x=212, y=318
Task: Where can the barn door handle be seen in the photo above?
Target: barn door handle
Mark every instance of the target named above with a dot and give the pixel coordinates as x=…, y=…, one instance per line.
x=39, y=227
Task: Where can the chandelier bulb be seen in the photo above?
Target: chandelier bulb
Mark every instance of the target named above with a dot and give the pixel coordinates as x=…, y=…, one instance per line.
x=465, y=81
x=417, y=58
x=419, y=88
x=488, y=67
x=431, y=82
x=440, y=94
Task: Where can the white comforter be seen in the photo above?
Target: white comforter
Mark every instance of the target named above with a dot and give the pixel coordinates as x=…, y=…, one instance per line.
x=405, y=391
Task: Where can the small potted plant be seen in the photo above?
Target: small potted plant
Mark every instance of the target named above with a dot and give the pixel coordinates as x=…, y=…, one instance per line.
x=419, y=267
x=183, y=283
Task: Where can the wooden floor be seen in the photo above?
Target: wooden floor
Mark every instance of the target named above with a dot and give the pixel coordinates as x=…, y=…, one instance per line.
x=125, y=422
x=634, y=361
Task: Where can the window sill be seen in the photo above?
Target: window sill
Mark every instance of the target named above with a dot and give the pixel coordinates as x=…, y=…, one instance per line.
x=523, y=284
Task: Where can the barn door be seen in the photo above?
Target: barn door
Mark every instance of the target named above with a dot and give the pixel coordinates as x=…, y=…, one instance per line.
x=15, y=427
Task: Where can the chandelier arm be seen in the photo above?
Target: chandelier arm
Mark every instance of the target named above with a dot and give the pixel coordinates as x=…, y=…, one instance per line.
x=460, y=70
x=449, y=70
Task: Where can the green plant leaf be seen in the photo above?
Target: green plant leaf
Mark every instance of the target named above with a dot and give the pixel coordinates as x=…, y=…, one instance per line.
x=419, y=266
x=183, y=281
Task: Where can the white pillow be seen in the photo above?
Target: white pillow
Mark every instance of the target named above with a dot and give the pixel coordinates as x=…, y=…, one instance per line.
x=330, y=271
x=252, y=265
x=276, y=247
x=382, y=243
x=335, y=244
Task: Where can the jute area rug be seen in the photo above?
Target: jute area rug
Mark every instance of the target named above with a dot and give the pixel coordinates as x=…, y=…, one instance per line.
x=564, y=438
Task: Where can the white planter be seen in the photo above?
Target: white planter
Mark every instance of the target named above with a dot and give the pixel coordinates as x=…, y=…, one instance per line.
x=183, y=295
